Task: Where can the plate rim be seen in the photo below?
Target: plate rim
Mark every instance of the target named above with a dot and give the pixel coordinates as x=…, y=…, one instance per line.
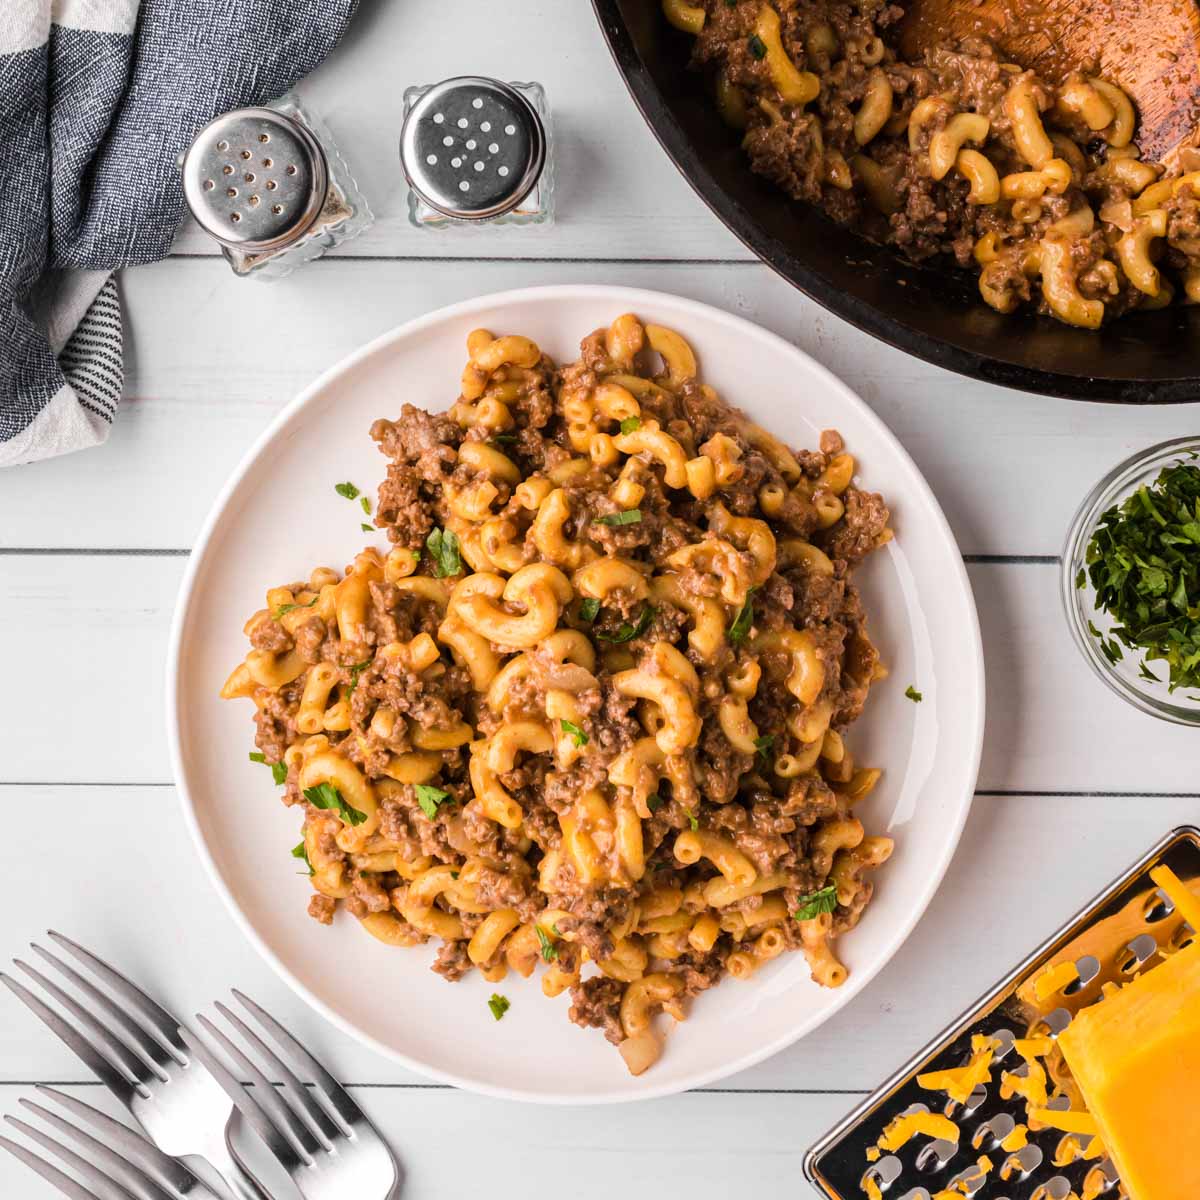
x=625, y=299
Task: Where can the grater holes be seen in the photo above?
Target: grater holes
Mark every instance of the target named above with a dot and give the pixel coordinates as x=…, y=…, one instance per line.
x=456, y=162
x=1136, y=953
x=1058, y=1187
x=917, y=1193
x=264, y=138
x=935, y=1155
x=249, y=177
x=503, y=172
x=478, y=165
x=222, y=146
x=885, y=1172
x=990, y=1134
x=209, y=185
x=464, y=186
x=439, y=118
x=431, y=159
x=291, y=168
x=1005, y=1037
x=1052, y=1024
x=1088, y=967
x=462, y=122
x=510, y=129
x=254, y=201
x=486, y=126
x=1022, y=1163
x=968, y=1181
x=1182, y=938
x=1101, y=1178
x=271, y=185
x=477, y=103
x=472, y=144
x=277, y=209
x=268, y=162
x=246, y=154
x=447, y=140
x=231, y=192
x=494, y=148
x=1158, y=907
x=226, y=170
x=235, y=217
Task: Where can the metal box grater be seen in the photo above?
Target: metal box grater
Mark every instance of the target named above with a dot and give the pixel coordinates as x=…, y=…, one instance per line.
x=1109, y=940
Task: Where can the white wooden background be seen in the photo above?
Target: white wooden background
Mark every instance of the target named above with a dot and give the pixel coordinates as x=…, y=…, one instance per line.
x=1074, y=784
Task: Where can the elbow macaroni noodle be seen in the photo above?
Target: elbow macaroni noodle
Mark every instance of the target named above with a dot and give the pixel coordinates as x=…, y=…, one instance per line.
x=1038, y=187
x=559, y=744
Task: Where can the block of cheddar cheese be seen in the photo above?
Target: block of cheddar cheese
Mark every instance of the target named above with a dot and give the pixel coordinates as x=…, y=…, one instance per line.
x=1136, y=1058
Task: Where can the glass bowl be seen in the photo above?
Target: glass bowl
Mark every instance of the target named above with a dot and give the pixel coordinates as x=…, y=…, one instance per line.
x=1123, y=677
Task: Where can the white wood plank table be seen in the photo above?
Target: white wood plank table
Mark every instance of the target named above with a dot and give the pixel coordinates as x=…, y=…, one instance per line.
x=1073, y=785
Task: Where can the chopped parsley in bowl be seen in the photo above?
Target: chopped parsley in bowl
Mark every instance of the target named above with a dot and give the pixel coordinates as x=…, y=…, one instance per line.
x=1131, y=580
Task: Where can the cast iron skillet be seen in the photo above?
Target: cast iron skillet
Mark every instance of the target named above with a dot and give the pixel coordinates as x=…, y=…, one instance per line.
x=1143, y=358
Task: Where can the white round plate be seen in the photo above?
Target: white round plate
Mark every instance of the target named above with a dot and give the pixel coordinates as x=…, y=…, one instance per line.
x=279, y=516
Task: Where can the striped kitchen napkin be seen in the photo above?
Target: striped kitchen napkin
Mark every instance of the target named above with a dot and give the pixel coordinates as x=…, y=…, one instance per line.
x=97, y=99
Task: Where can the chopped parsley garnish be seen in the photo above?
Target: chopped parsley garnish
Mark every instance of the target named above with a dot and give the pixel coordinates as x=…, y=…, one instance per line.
x=1143, y=561
x=366, y=528
x=588, y=608
x=577, y=735
x=355, y=671
x=631, y=516
x=430, y=798
x=631, y=424
x=824, y=901
x=739, y=628
x=763, y=744
x=912, y=693
x=695, y=824
x=757, y=47
x=504, y=439
x=301, y=852
x=366, y=504
x=654, y=802
x=549, y=949
x=278, y=770
x=287, y=608
x=442, y=545
x=346, y=490
x=627, y=632
x=499, y=1005
x=326, y=796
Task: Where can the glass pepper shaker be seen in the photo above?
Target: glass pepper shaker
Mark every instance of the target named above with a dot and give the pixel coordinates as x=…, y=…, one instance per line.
x=271, y=187
x=476, y=150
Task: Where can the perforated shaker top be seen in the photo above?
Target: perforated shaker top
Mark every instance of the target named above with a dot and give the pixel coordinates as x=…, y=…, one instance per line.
x=472, y=147
x=255, y=178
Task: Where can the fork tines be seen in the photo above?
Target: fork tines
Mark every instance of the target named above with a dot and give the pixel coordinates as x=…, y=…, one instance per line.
x=140, y=1171
x=127, y=1044
x=299, y=1124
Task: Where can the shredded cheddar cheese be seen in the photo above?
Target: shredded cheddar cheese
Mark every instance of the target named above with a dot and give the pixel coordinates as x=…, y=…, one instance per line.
x=1187, y=904
x=1053, y=980
x=1065, y=1122
x=1031, y=1088
x=959, y=1082
x=1017, y=1140
x=871, y=1187
x=903, y=1129
x=873, y=1153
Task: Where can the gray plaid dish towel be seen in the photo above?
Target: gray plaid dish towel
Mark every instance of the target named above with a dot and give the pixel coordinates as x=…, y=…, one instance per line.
x=97, y=99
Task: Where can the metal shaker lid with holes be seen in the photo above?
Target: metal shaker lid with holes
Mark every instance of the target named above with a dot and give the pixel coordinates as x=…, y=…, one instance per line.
x=472, y=148
x=255, y=179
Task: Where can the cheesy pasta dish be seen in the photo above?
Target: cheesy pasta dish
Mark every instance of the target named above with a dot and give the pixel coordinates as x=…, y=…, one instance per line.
x=1038, y=187
x=588, y=712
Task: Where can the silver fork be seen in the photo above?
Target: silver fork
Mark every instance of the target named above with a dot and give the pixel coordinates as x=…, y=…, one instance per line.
x=139, y=1172
x=136, y=1050
x=320, y=1135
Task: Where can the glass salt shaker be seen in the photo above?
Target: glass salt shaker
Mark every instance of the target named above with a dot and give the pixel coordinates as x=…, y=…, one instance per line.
x=475, y=150
x=271, y=187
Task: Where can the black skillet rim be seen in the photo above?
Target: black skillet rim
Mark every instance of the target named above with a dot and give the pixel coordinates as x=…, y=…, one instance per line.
x=775, y=254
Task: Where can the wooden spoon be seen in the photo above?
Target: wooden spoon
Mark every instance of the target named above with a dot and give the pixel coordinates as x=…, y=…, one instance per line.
x=1150, y=48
